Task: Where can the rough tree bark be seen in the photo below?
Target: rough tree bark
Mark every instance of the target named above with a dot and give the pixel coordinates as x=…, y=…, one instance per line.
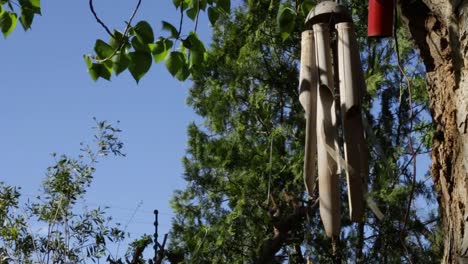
x=440, y=31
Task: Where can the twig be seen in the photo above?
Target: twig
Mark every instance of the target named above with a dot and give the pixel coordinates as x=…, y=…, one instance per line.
x=135, y=10
x=125, y=34
x=196, y=18
x=179, y=33
x=181, y=21
x=91, y=6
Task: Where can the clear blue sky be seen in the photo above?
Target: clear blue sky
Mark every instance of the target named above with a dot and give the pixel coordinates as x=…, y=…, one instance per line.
x=47, y=102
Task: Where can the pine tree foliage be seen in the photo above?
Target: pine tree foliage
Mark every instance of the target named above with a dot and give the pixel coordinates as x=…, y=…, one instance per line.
x=244, y=201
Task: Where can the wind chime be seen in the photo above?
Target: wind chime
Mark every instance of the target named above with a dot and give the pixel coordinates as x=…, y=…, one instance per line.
x=331, y=74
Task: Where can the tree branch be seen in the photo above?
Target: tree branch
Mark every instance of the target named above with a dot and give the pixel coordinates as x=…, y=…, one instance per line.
x=91, y=6
x=282, y=229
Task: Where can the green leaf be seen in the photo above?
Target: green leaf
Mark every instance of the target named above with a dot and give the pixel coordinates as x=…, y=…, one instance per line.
x=170, y=28
x=181, y=3
x=102, y=71
x=192, y=13
x=139, y=46
x=372, y=83
x=225, y=5
x=102, y=49
x=195, y=42
x=202, y=4
x=88, y=61
x=194, y=9
x=213, y=15
x=196, y=58
x=117, y=40
x=306, y=6
x=120, y=63
x=161, y=49
x=140, y=63
x=187, y=3
x=177, y=3
x=34, y=6
x=196, y=47
x=175, y=62
x=97, y=70
x=183, y=74
x=8, y=22
x=28, y=9
x=286, y=20
x=144, y=32
x=177, y=65
x=26, y=18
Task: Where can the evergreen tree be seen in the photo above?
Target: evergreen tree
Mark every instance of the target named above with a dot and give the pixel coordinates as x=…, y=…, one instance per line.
x=245, y=201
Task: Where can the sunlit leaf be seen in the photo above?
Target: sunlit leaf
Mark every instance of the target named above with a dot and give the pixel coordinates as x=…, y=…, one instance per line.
x=177, y=65
x=161, y=49
x=98, y=70
x=8, y=22
x=196, y=47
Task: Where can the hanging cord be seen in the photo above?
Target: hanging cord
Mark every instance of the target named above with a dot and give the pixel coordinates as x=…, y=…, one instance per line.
x=410, y=140
x=270, y=173
x=411, y=116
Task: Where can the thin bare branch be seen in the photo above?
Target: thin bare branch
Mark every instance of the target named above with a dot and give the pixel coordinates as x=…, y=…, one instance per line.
x=125, y=34
x=91, y=7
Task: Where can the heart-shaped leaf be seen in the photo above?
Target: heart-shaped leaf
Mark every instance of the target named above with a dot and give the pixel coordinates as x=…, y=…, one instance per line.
x=140, y=63
x=144, y=32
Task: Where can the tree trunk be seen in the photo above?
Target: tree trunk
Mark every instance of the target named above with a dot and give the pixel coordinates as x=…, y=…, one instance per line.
x=440, y=31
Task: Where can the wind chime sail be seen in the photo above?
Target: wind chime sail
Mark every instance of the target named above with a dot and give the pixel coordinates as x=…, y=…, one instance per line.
x=308, y=100
x=330, y=52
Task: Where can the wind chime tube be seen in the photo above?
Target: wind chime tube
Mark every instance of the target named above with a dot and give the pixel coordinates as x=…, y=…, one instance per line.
x=308, y=99
x=352, y=89
x=327, y=135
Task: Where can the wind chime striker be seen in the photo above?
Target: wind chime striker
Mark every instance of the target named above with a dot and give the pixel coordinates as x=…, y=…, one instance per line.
x=330, y=52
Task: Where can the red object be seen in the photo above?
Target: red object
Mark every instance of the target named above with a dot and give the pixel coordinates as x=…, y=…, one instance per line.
x=380, y=18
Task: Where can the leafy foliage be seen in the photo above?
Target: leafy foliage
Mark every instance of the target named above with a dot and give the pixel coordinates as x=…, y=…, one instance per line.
x=136, y=47
x=9, y=14
x=69, y=235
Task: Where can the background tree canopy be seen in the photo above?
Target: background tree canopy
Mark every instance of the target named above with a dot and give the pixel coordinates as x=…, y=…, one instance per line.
x=245, y=199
